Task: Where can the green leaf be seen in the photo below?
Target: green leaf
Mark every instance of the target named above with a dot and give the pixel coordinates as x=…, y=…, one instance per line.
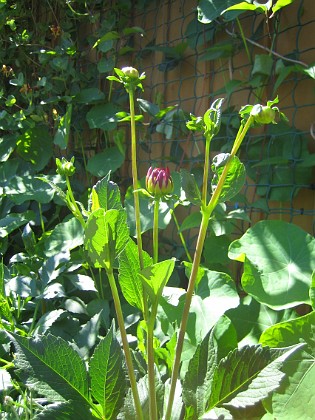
x=198, y=378
x=88, y=335
x=5, y=380
x=103, y=117
x=47, y=320
x=66, y=236
x=129, y=269
x=250, y=319
x=191, y=221
x=21, y=189
x=156, y=276
x=61, y=138
x=212, y=117
x=108, y=160
x=106, y=235
x=35, y=146
x=108, y=194
x=89, y=95
x=190, y=187
x=281, y=3
x=291, y=332
x=295, y=398
x=209, y=10
x=43, y=364
x=216, y=293
x=13, y=221
x=262, y=65
x=312, y=291
x=7, y=145
x=235, y=178
x=247, y=376
x=146, y=212
x=108, y=378
x=277, y=270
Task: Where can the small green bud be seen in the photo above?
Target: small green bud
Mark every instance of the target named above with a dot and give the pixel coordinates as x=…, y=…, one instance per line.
x=130, y=72
x=64, y=167
x=263, y=114
x=159, y=182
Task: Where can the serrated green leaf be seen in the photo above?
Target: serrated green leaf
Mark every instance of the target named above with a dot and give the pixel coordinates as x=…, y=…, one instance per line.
x=108, y=379
x=129, y=269
x=266, y=381
x=156, y=276
x=235, y=178
x=212, y=117
x=44, y=364
x=247, y=376
x=295, y=399
x=199, y=376
x=190, y=187
x=290, y=332
x=108, y=194
x=106, y=235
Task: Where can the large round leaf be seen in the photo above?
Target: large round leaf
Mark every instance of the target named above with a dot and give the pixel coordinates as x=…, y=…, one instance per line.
x=279, y=259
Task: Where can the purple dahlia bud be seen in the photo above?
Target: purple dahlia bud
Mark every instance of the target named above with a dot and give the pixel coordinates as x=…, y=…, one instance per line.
x=159, y=182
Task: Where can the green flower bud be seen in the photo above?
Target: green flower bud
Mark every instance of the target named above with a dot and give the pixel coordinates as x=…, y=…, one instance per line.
x=159, y=182
x=130, y=72
x=263, y=114
x=64, y=167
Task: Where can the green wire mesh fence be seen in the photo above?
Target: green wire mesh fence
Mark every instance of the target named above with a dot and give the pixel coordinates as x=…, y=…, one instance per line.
x=248, y=59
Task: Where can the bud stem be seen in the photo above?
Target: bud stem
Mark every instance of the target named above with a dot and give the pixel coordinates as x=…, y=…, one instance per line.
x=123, y=334
x=156, y=231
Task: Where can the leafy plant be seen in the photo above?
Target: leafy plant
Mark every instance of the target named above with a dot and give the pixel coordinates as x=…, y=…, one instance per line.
x=182, y=366
x=74, y=264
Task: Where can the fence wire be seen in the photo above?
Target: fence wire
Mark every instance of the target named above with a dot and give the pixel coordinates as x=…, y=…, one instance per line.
x=188, y=64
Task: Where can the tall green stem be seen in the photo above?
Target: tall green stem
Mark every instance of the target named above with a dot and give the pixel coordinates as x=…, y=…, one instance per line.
x=135, y=174
x=181, y=236
x=156, y=231
x=189, y=295
x=206, y=213
x=74, y=207
x=151, y=371
x=121, y=324
x=206, y=169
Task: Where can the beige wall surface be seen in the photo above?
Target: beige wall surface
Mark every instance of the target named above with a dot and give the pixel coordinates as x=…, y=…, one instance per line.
x=193, y=83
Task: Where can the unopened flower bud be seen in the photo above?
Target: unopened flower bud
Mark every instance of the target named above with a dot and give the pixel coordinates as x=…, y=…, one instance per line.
x=159, y=182
x=263, y=114
x=64, y=167
x=130, y=72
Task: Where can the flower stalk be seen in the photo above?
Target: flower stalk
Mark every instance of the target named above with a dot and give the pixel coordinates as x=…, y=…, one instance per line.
x=123, y=334
x=206, y=212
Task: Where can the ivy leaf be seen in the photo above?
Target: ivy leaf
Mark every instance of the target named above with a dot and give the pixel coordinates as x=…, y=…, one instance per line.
x=108, y=380
x=43, y=364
